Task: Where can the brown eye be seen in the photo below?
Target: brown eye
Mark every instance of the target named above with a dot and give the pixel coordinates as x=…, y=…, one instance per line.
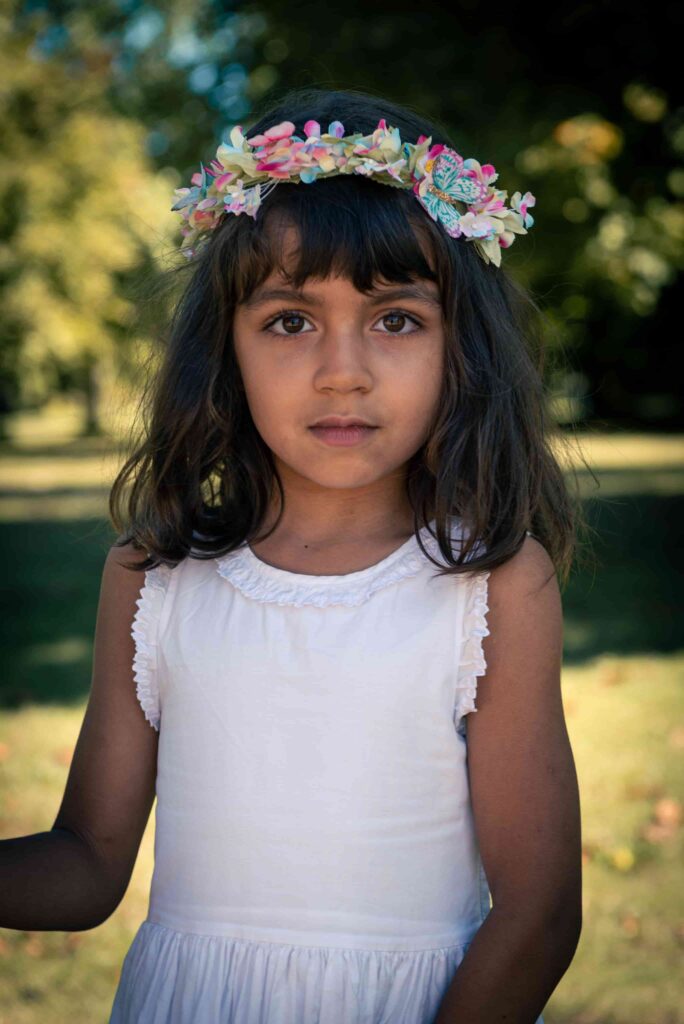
x=398, y=320
x=290, y=319
x=290, y=323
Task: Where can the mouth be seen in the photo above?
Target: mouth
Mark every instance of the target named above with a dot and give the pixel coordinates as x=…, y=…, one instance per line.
x=343, y=436
x=341, y=421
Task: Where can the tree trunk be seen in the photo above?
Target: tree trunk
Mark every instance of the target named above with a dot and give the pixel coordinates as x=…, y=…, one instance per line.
x=91, y=425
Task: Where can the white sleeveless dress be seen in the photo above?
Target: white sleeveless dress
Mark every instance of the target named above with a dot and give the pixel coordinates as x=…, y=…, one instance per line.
x=315, y=853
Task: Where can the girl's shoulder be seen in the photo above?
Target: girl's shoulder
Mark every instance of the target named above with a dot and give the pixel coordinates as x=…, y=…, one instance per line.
x=524, y=598
x=528, y=571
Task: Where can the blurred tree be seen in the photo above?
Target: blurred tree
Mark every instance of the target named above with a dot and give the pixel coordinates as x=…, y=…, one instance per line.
x=82, y=213
x=580, y=108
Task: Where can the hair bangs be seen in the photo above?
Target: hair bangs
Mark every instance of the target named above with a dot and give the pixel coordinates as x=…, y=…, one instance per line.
x=346, y=226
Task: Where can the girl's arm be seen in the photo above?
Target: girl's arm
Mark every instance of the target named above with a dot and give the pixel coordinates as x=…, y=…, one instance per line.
x=525, y=804
x=74, y=876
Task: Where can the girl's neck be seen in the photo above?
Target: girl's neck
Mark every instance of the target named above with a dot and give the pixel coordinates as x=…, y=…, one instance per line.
x=342, y=550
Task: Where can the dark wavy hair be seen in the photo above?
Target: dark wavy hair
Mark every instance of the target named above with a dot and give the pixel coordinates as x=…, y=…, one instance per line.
x=199, y=478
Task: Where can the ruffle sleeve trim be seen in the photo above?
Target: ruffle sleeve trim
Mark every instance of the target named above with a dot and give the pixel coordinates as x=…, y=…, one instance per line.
x=145, y=630
x=473, y=662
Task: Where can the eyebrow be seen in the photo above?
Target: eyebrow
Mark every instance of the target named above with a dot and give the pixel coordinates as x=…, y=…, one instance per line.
x=409, y=291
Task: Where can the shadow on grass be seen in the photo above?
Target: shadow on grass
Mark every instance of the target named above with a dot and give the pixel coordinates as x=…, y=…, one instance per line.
x=628, y=602
x=50, y=591
x=628, y=599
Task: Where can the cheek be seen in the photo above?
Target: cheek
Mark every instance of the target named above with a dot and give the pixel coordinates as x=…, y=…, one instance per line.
x=420, y=383
x=268, y=404
x=275, y=405
x=260, y=382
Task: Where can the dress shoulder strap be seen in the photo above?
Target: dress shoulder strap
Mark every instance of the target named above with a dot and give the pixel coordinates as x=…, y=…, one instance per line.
x=475, y=629
x=145, y=631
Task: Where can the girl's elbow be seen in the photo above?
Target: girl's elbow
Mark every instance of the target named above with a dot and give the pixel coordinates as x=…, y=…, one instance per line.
x=558, y=921
x=564, y=921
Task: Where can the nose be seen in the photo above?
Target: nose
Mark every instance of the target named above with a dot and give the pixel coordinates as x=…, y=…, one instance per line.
x=342, y=359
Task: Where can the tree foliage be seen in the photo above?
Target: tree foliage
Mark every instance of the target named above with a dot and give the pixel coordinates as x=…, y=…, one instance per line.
x=83, y=210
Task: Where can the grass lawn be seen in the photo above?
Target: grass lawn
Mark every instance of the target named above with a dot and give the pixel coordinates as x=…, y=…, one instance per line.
x=622, y=692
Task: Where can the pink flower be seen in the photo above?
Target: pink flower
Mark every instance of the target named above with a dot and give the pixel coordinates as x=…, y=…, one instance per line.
x=279, y=131
x=522, y=204
x=199, y=177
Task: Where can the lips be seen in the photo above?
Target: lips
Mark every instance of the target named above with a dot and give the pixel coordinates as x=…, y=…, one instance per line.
x=343, y=436
x=340, y=421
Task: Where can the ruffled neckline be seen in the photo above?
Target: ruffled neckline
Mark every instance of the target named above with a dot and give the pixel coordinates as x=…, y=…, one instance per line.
x=263, y=582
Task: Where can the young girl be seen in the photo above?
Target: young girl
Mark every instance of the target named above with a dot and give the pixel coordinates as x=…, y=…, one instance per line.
x=338, y=664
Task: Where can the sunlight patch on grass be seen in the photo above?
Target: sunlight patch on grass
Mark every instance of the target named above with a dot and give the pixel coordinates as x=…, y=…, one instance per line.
x=65, y=651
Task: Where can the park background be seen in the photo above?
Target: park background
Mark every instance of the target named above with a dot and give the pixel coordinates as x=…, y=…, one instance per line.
x=104, y=110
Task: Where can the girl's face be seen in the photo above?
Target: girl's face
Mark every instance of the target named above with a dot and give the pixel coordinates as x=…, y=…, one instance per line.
x=333, y=351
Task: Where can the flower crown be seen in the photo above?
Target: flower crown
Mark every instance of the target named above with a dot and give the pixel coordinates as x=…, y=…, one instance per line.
x=457, y=193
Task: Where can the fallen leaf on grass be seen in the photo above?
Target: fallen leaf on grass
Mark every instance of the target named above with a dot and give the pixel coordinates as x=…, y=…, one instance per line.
x=612, y=675
x=631, y=924
x=34, y=945
x=72, y=941
x=643, y=791
x=668, y=811
x=666, y=818
x=589, y=851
